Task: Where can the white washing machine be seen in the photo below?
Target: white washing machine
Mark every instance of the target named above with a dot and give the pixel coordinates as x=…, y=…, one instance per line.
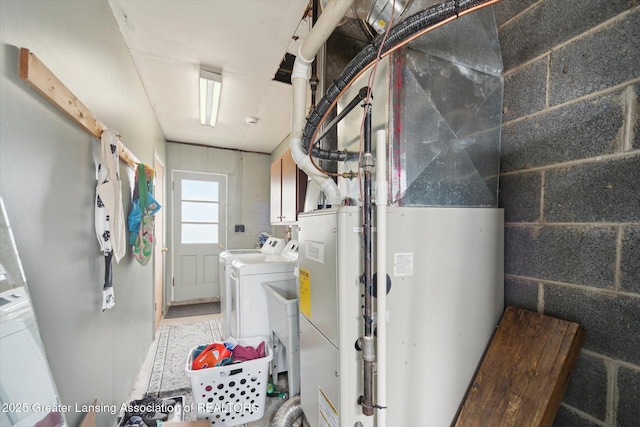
x=24, y=369
x=249, y=313
x=272, y=246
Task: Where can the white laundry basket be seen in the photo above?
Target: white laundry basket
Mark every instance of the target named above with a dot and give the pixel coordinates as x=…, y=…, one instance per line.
x=234, y=394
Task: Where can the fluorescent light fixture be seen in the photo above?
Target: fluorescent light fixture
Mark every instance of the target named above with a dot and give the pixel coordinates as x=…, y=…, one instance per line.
x=210, y=87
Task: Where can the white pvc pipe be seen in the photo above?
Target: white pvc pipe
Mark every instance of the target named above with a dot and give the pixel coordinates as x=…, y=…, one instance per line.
x=381, y=263
x=328, y=21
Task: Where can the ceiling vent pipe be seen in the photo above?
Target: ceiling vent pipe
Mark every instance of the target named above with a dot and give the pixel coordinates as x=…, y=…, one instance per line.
x=376, y=13
x=328, y=21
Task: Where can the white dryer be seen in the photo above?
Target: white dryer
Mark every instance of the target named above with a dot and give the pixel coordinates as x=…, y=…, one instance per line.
x=272, y=246
x=249, y=313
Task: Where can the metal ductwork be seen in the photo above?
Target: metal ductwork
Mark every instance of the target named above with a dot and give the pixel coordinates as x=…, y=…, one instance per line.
x=376, y=13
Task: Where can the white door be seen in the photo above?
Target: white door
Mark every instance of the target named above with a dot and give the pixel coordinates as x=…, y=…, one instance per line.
x=199, y=233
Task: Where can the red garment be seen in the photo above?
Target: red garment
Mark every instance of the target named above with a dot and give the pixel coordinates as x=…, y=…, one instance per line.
x=242, y=353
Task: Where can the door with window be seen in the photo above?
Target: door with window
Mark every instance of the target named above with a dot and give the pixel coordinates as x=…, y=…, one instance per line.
x=199, y=233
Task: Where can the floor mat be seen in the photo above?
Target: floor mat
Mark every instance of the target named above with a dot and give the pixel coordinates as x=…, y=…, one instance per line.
x=174, y=343
x=176, y=311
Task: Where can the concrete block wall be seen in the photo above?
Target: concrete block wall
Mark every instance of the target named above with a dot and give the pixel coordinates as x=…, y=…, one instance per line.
x=570, y=187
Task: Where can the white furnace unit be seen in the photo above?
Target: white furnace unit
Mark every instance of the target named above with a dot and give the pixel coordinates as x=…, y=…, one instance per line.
x=433, y=226
x=445, y=268
x=436, y=114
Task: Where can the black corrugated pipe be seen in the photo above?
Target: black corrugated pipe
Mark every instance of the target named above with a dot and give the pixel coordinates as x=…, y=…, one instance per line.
x=400, y=34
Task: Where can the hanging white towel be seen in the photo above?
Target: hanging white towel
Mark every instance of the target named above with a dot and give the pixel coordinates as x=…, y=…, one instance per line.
x=110, y=220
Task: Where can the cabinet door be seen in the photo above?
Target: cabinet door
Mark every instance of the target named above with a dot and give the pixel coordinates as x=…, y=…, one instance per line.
x=289, y=188
x=276, y=191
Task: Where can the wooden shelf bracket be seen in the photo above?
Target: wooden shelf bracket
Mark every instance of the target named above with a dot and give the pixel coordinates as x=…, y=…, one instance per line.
x=43, y=81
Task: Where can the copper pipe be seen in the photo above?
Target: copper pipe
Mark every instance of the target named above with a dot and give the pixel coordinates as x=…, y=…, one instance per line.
x=384, y=54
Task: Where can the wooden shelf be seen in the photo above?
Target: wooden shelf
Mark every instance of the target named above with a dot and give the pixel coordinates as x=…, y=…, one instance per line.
x=43, y=81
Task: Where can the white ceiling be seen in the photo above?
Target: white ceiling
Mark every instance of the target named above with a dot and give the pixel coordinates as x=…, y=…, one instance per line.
x=245, y=39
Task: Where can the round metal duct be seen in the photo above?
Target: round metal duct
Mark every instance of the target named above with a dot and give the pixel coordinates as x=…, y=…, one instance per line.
x=376, y=13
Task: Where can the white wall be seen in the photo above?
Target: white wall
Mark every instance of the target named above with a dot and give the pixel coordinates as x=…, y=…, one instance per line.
x=47, y=180
x=282, y=148
x=248, y=180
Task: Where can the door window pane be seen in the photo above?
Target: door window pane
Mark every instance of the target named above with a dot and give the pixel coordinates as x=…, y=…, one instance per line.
x=199, y=212
x=200, y=233
x=204, y=191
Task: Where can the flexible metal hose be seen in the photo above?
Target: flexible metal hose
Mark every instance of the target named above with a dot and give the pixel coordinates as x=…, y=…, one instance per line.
x=288, y=413
x=404, y=32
